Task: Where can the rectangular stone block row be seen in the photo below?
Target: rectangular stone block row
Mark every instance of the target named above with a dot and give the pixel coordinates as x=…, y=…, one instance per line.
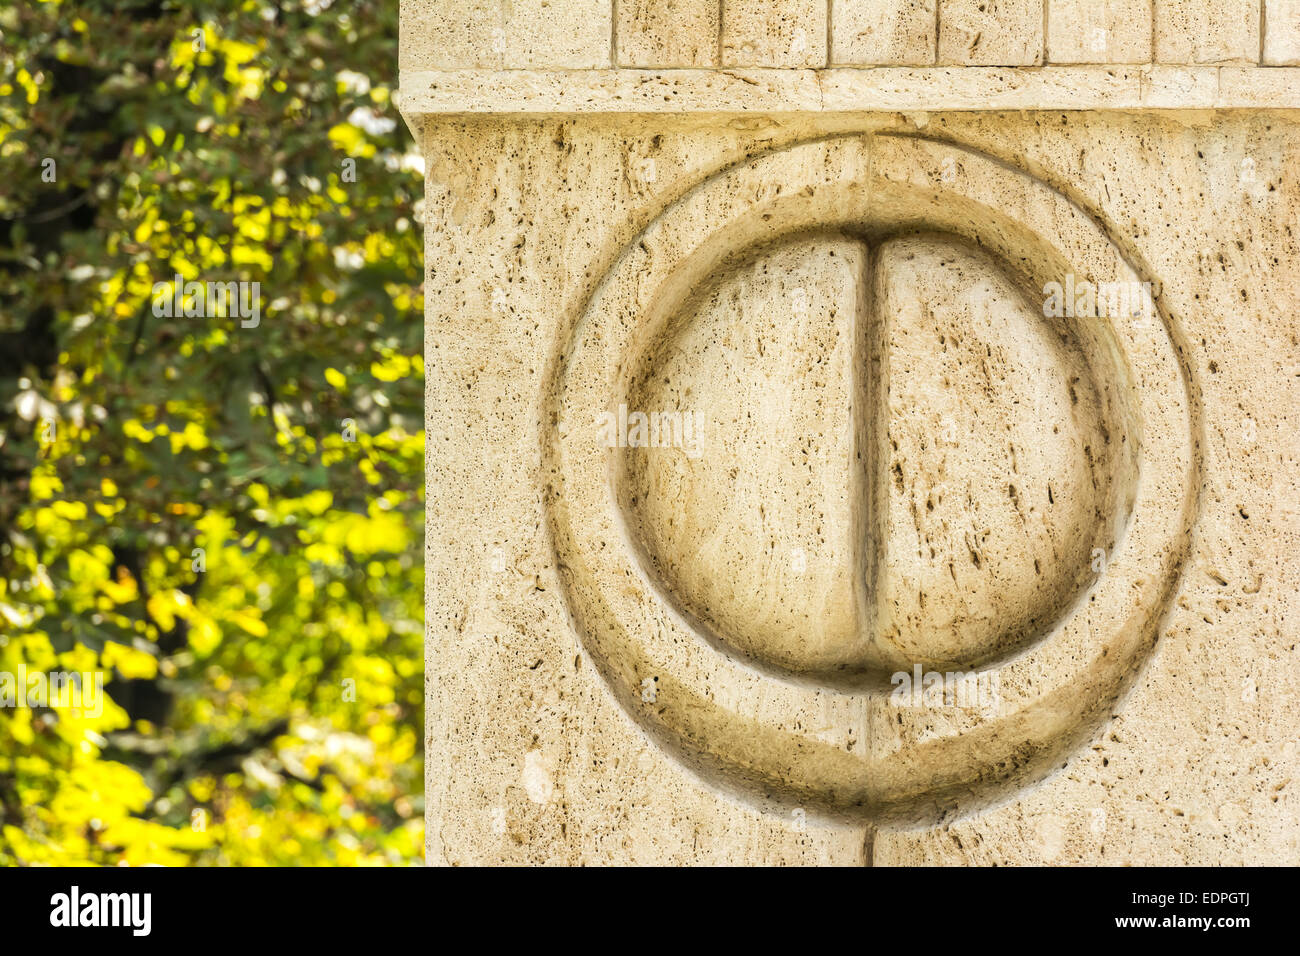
x=1182, y=32
x=592, y=34
x=989, y=32
x=797, y=34
x=505, y=34
x=729, y=33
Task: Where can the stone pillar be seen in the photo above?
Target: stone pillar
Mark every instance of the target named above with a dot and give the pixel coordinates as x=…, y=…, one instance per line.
x=861, y=432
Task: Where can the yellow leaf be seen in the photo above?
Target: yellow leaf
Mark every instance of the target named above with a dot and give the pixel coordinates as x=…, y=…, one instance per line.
x=69, y=510
x=253, y=625
x=130, y=663
x=162, y=608
x=318, y=502
x=45, y=486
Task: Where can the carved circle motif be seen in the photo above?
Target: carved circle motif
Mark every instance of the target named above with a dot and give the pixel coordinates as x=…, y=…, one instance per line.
x=788, y=708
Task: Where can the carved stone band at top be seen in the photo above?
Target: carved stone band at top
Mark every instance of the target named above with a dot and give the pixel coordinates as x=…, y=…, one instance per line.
x=767, y=92
x=826, y=739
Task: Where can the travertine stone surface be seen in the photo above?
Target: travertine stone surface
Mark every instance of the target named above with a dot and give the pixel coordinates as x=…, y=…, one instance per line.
x=1197, y=31
x=1282, y=32
x=1099, y=31
x=769, y=455
x=991, y=32
x=989, y=528
x=572, y=34
x=877, y=32
x=674, y=33
x=774, y=93
x=1259, y=88
x=797, y=34
x=505, y=34
x=469, y=33
x=860, y=466
x=762, y=33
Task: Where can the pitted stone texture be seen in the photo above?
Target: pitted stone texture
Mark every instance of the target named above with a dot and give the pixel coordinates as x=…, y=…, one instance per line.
x=748, y=522
x=443, y=35
x=728, y=34
x=772, y=93
x=761, y=33
x=991, y=32
x=505, y=34
x=1099, y=31
x=1282, y=32
x=996, y=463
x=1197, y=31
x=530, y=759
x=883, y=32
x=668, y=33
x=1199, y=764
x=575, y=34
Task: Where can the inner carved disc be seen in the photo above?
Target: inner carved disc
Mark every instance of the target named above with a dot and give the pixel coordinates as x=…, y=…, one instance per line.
x=845, y=456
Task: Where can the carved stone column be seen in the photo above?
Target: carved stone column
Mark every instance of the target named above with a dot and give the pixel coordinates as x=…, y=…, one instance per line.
x=861, y=432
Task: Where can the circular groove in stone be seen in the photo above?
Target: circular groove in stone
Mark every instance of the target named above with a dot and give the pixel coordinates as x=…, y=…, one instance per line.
x=857, y=754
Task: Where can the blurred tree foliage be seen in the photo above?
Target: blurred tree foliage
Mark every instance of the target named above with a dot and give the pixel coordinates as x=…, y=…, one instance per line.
x=224, y=520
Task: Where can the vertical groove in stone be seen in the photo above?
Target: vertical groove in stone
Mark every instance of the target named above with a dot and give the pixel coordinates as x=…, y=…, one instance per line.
x=830, y=32
x=722, y=18
x=613, y=34
x=1279, y=33
x=1154, y=58
x=1047, y=43
x=938, y=29
x=1263, y=28
x=870, y=494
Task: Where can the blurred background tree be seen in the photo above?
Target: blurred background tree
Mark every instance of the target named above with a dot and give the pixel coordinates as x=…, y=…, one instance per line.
x=225, y=520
